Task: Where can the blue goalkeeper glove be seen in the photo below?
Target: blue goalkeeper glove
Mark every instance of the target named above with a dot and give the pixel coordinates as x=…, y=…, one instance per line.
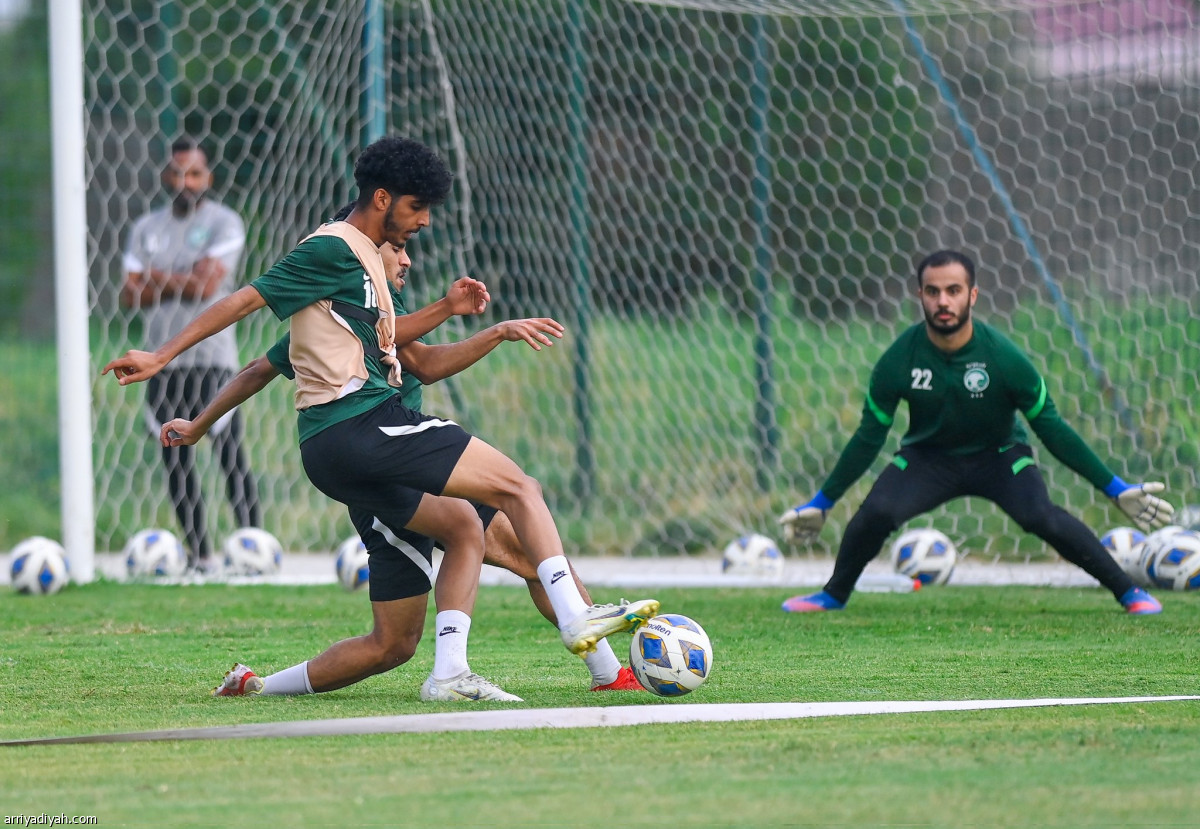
x=1139, y=502
x=803, y=523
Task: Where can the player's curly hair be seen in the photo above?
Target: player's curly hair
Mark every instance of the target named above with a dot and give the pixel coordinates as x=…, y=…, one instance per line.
x=403, y=167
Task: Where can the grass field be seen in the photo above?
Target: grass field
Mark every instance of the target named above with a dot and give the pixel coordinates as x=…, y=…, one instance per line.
x=109, y=657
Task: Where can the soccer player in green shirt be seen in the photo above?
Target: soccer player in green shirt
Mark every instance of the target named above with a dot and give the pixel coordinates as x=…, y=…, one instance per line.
x=964, y=383
x=422, y=364
x=360, y=444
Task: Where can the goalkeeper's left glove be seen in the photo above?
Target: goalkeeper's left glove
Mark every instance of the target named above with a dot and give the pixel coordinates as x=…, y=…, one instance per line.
x=1139, y=502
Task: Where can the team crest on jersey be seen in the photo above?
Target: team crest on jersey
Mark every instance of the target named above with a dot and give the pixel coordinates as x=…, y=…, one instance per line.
x=197, y=237
x=976, y=379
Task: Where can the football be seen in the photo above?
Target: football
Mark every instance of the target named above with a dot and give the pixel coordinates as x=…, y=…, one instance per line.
x=154, y=553
x=38, y=567
x=353, y=571
x=1176, y=566
x=752, y=555
x=1154, y=546
x=1125, y=544
x=924, y=554
x=1188, y=516
x=670, y=655
x=252, y=552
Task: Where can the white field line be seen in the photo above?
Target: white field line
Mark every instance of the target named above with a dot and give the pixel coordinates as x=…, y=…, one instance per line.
x=530, y=718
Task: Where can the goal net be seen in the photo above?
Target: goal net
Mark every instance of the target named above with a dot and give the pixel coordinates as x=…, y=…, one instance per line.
x=723, y=202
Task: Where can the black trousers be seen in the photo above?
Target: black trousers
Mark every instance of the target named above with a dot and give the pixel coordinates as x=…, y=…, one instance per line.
x=919, y=480
x=185, y=393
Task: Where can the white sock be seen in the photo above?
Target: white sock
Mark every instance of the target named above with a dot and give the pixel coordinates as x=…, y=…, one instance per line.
x=555, y=576
x=290, y=682
x=450, y=648
x=603, y=664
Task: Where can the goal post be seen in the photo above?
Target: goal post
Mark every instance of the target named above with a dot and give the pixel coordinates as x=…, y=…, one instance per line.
x=724, y=201
x=71, y=290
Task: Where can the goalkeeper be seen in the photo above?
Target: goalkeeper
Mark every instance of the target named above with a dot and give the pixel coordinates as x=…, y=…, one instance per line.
x=964, y=382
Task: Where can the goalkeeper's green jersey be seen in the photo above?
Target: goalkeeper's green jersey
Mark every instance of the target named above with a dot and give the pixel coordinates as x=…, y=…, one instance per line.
x=960, y=402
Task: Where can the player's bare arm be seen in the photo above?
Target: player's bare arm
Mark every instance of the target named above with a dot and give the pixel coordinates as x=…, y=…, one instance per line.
x=252, y=379
x=430, y=363
x=136, y=366
x=466, y=296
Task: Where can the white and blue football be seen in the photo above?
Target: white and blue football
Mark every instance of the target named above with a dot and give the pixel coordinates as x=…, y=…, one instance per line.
x=1177, y=564
x=671, y=655
x=1125, y=545
x=924, y=554
x=38, y=567
x=154, y=552
x=752, y=555
x=252, y=552
x=353, y=564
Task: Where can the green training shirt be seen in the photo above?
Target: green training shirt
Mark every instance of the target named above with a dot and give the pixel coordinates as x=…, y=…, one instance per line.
x=410, y=388
x=959, y=403
x=324, y=267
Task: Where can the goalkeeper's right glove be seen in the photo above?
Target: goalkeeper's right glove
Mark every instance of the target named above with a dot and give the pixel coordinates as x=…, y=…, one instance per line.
x=1140, y=503
x=804, y=522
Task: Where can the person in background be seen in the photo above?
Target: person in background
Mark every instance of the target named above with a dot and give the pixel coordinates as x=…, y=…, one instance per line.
x=179, y=260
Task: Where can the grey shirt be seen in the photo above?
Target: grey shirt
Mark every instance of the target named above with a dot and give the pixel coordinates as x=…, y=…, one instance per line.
x=161, y=241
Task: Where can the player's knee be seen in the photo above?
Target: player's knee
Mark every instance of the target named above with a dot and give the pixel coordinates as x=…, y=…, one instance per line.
x=516, y=492
x=534, y=486
x=527, y=488
x=463, y=544
x=465, y=529
x=513, y=481
x=394, y=650
x=397, y=653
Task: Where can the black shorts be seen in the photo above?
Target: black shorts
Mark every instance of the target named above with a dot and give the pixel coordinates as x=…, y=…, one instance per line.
x=366, y=461
x=378, y=464
x=400, y=560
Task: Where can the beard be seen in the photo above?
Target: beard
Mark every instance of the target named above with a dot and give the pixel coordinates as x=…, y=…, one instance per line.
x=186, y=201
x=950, y=327
x=391, y=228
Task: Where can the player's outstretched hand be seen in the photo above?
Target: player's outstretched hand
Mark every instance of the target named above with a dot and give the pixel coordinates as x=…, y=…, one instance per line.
x=1140, y=503
x=804, y=523
x=537, y=331
x=468, y=296
x=180, y=432
x=134, y=367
